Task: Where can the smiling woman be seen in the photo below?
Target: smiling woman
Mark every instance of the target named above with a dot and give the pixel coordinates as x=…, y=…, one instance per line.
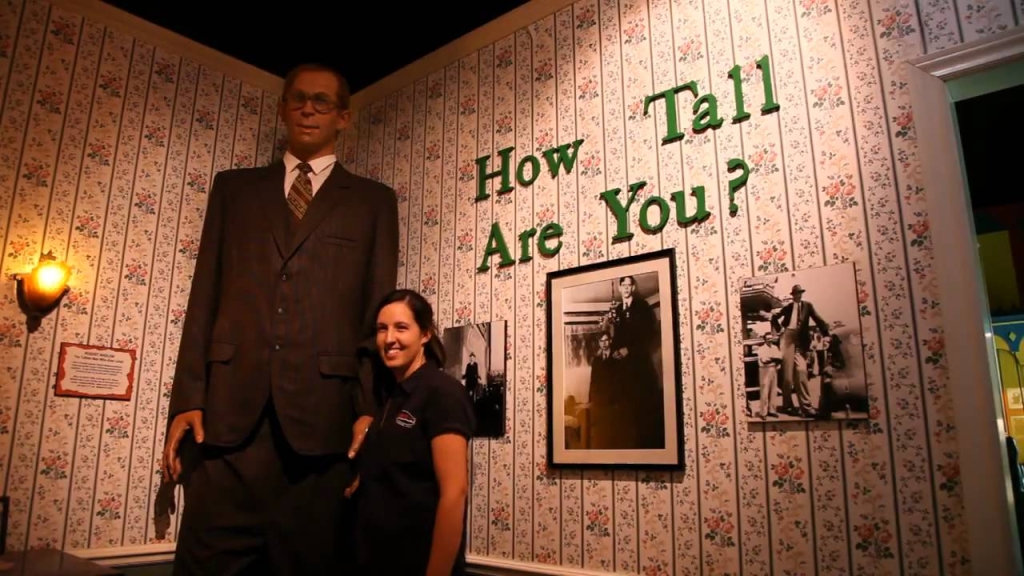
x=413, y=477
x=406, y=334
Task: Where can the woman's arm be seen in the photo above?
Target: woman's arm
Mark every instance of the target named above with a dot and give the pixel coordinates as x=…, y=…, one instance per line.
x=451, y=468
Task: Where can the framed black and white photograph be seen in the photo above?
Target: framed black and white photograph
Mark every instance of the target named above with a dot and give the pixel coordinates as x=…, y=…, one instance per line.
x=803, y=348
x=476, y=357
x=613, y=364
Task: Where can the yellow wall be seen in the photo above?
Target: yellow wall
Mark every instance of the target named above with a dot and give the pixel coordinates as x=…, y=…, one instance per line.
x=997, y=265
x=1010, y=358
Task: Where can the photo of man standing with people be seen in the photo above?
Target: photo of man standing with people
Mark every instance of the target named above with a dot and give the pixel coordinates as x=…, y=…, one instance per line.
x=803, y=348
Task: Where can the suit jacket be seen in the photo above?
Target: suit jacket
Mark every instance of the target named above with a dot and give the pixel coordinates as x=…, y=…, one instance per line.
x=636, y=327
x=472, y=376
x=780, y=320
x=603, y=392
x=286, y=309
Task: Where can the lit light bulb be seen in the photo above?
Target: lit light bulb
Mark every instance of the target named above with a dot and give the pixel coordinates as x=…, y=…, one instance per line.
x=47, y=282
x=51, y=277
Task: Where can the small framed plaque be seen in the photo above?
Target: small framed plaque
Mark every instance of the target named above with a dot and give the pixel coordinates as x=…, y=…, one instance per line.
x=100, y=372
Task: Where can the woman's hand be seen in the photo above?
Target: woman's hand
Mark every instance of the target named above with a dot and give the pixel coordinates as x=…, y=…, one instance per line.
x=352, y=489
x=359, y=430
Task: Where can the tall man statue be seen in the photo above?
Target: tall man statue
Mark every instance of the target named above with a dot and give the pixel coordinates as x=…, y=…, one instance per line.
x=270, y=381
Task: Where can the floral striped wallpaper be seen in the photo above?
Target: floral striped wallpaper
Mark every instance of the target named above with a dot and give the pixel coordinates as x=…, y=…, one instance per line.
x=835, y=177
x=107, y=146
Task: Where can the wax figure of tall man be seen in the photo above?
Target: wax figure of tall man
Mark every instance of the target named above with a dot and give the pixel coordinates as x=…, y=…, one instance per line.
x=270, y=383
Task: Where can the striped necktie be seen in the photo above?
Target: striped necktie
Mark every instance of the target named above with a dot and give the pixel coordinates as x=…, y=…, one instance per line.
x=301, y=192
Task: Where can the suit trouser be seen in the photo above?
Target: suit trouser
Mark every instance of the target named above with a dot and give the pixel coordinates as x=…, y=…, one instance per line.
x=261, y=508
x=794, y=367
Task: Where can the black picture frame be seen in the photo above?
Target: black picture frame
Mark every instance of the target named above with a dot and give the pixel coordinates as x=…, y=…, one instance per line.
x=616, y=427
x=5, y=507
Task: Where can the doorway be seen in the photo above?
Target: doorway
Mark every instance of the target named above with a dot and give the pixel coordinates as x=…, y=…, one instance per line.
x=984, y=114
x=967, y=146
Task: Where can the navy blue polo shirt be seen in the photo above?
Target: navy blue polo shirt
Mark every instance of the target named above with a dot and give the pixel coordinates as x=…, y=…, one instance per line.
x=398, y=490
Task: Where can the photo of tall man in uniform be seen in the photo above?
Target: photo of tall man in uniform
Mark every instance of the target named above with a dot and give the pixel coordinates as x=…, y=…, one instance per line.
x=272, y=390
x=614, y=362
x=613, y=385
x=477, y=358
x=637, y=402
x=808, y=323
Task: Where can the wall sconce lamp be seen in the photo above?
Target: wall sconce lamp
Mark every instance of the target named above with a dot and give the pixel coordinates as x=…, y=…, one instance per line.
x=40, y=291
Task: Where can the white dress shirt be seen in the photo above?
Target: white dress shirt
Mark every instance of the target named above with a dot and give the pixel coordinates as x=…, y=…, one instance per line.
x=322, y=167
x=766, y=353
x=794, y=317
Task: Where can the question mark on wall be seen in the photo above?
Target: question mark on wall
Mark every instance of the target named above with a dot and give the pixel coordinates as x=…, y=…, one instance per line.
x=737, y=182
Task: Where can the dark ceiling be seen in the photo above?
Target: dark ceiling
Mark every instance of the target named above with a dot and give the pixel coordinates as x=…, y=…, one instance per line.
x=365, y=40
x=369, y=39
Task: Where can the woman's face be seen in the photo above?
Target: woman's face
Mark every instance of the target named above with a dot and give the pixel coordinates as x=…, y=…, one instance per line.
x=399, y=339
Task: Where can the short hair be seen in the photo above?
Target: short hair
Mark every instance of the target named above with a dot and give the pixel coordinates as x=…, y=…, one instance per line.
x=343, y=96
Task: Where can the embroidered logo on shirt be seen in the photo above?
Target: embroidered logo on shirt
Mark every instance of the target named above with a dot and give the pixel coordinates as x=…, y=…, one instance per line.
x=405, y=419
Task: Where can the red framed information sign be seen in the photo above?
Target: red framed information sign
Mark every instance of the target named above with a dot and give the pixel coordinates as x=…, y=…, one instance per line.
x=101, y=372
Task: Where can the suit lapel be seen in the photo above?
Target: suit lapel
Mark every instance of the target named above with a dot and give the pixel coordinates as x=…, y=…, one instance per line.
x=326, y=199
x=275, y=206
